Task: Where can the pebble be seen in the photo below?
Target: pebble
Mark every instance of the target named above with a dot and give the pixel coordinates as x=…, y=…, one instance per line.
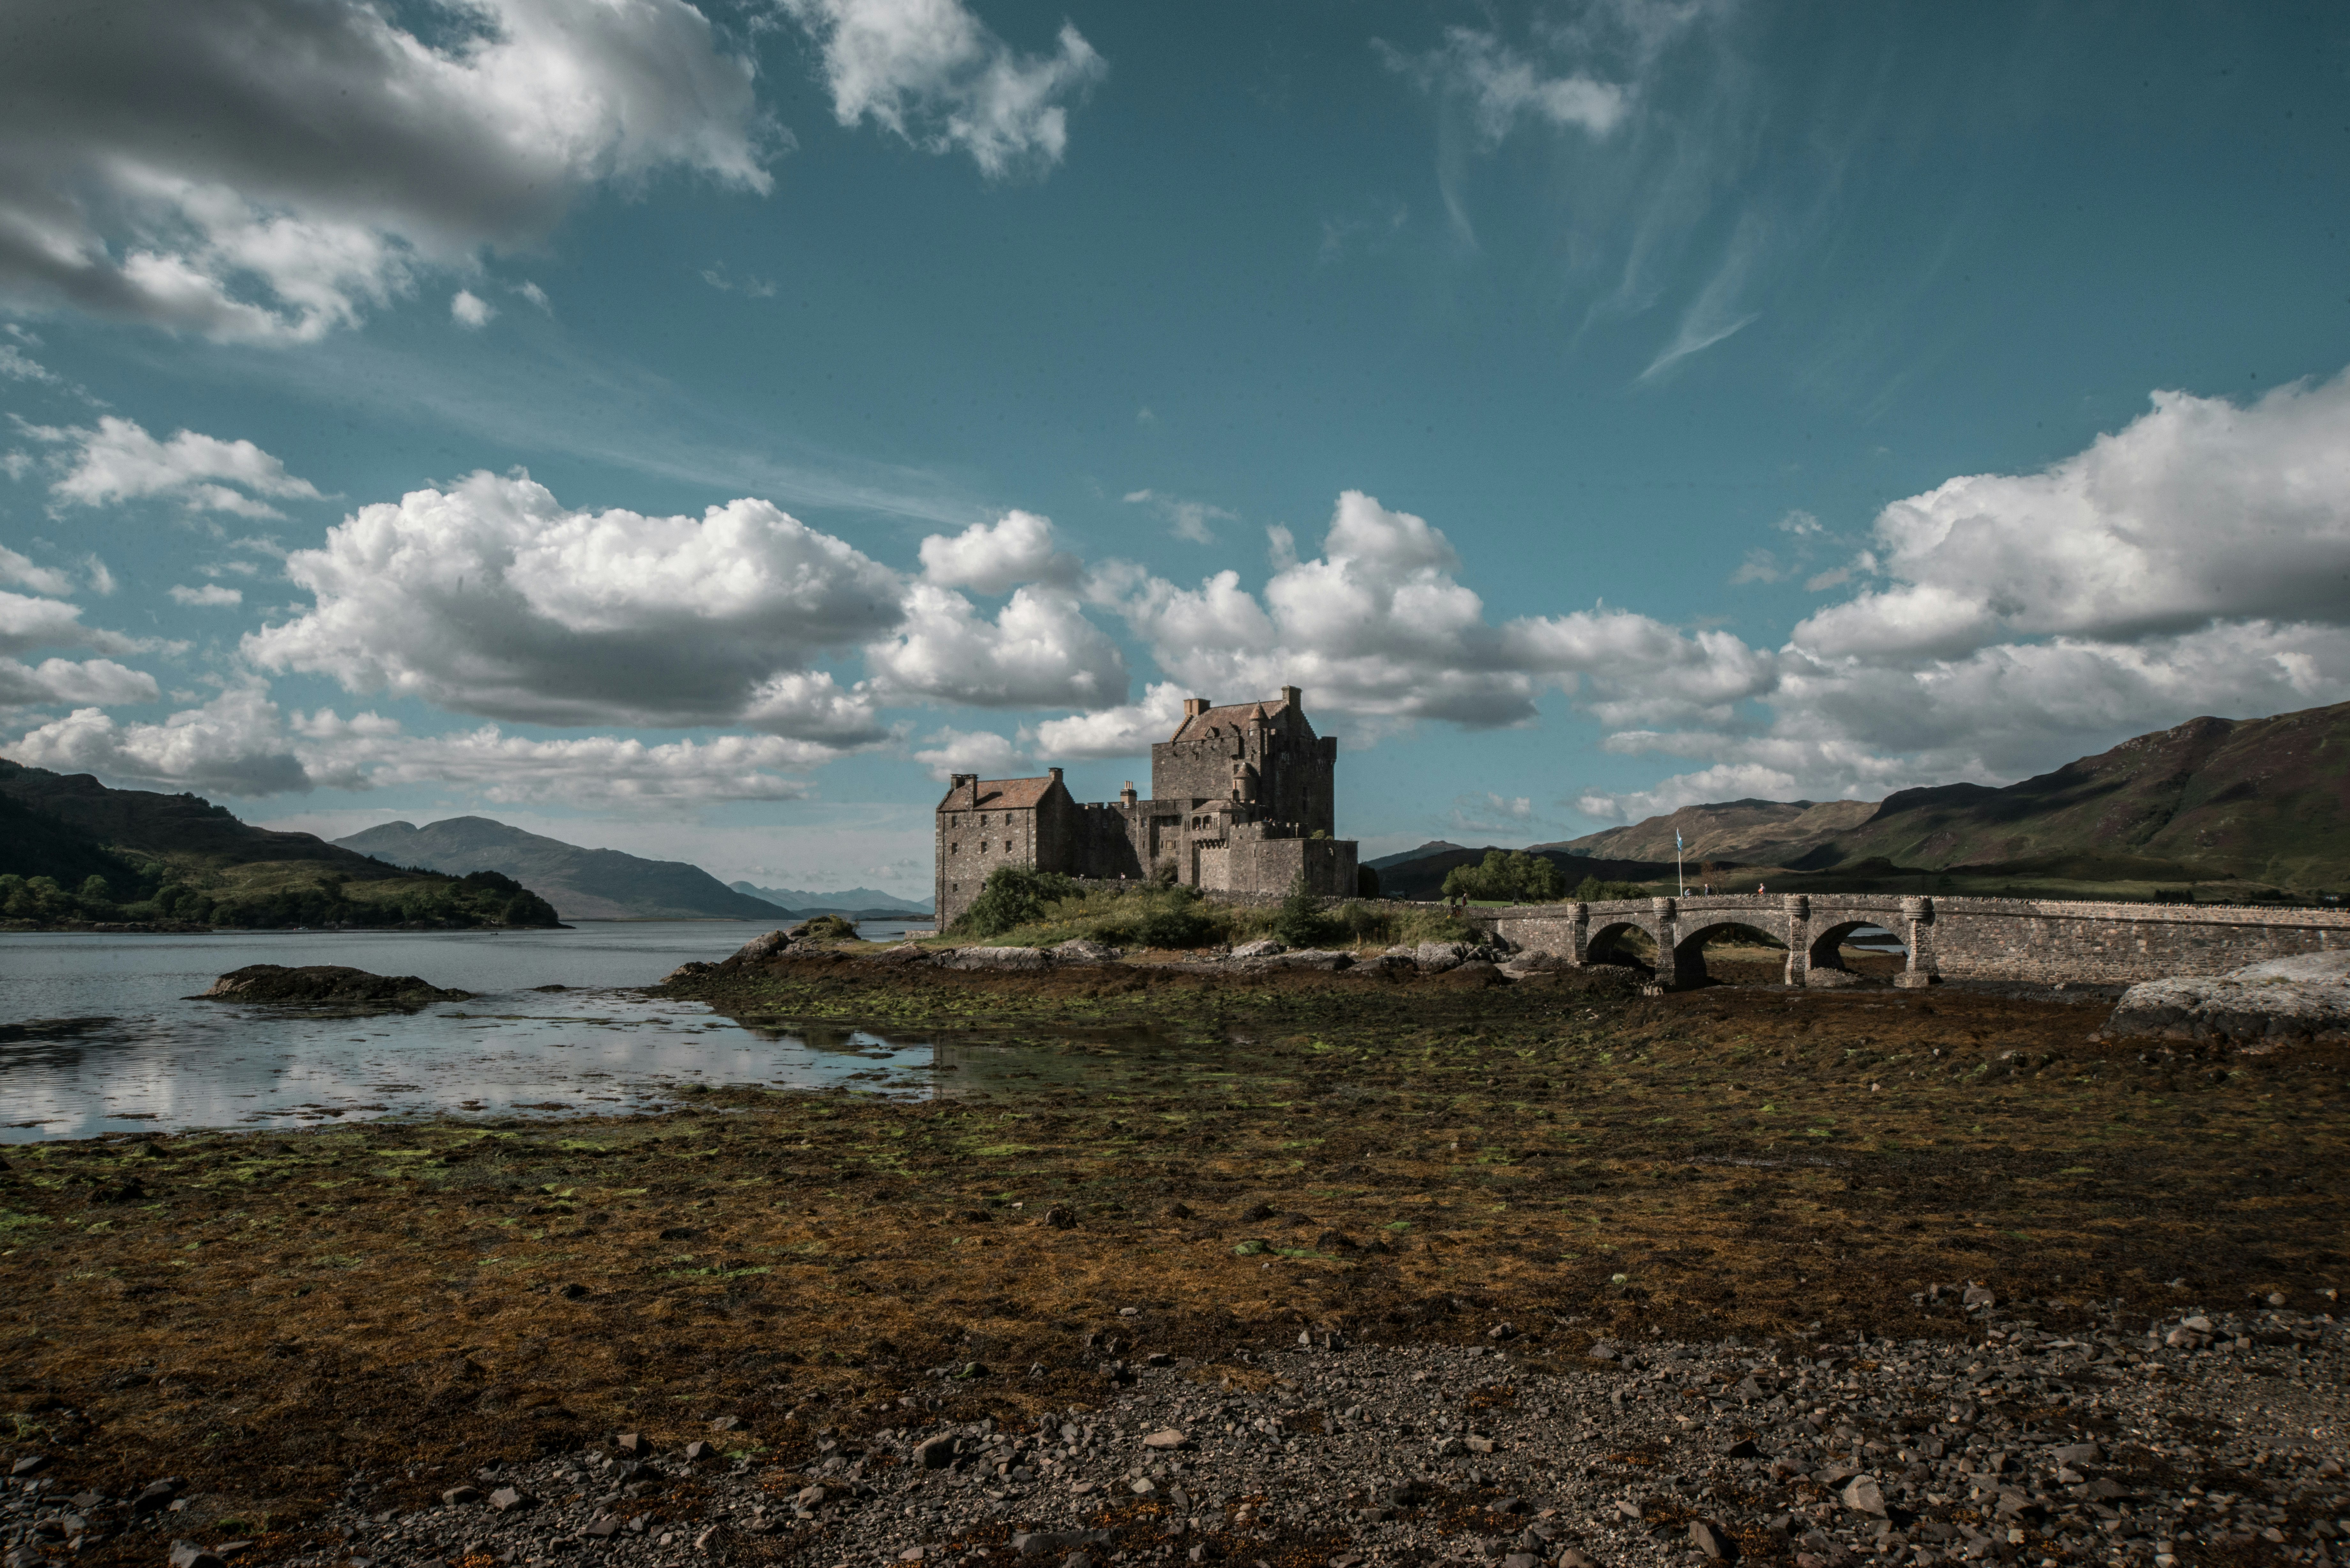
x=2020, y=1445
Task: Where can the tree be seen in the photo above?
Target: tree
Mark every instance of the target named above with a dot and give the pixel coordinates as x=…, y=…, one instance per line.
x=94, y=890
x=1506, y=875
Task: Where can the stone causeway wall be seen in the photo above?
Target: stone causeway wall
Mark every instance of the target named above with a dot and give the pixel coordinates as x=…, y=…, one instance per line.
x=2036, y=941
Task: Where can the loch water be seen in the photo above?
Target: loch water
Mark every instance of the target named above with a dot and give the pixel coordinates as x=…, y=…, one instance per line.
x=98, y=1033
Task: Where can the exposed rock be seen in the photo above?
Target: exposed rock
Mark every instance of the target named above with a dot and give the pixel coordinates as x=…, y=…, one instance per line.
x=1437, y=957
x=998, y=959
x=1310, y=958
x=1863, y=1495
x=1083, y=950
x=2305, y=997
x=1262, y=948
x=1826, y=977
x=762, y=946
x=323, y=983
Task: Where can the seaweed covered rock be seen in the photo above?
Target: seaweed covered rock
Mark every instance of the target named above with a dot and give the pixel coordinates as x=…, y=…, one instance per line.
x=324, y=983
x=2304, y=997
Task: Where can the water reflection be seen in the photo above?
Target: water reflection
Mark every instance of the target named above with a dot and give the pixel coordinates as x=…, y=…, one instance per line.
x=71, y=1067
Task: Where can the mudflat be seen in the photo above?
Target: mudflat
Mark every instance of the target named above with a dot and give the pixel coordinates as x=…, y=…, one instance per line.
x=380, y=1310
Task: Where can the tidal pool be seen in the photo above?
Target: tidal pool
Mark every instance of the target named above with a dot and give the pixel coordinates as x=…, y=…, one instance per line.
x=97, y=1034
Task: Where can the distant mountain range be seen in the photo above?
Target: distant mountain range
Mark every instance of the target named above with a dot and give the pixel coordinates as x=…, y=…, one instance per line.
x=2235, y=808
x=841, y=901
x=582, y=884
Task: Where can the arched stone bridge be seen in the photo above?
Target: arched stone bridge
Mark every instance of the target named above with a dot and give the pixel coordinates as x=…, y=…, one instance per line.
x=2037, y=941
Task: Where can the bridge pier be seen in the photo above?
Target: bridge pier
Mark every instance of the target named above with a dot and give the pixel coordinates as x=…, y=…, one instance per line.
x=1667, y=934
x=1922, y=970
x=1799, y=937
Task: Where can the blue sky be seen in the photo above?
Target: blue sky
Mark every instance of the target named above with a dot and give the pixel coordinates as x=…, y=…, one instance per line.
x=697, y=430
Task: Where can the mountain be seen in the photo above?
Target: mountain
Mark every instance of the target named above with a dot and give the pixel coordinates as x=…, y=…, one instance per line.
x=181, y=858
x=582, y=884
x=1749, y=832
x=2253, y=800
x=1434, y=847
x=843, y=902
x=2245, y=806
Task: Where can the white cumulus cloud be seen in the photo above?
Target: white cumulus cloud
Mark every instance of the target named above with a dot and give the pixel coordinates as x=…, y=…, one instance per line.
x=1127, y=730
x=214, y=595
x=232, y=745
x=2199, y=509
x=980, y=751
x=993, y=557
x=117, y=460
x=56, y=680
x=933, y=73
x=491, y=597
x=268, y=171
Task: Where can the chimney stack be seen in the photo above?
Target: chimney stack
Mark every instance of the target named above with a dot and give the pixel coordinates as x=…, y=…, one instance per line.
x=1194, y=706
x=1055, y=773
x=1293, y=696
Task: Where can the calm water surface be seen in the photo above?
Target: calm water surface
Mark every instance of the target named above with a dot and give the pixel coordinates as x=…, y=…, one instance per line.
x=97, y=1035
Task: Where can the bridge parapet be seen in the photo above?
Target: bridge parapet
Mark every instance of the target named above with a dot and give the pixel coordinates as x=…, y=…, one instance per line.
x=2040, y=940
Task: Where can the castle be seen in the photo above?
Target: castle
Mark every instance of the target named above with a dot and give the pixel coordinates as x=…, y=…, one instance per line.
x=1242, y=801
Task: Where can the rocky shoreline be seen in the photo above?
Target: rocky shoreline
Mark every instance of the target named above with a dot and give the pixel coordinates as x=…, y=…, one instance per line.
x=2204, y=1436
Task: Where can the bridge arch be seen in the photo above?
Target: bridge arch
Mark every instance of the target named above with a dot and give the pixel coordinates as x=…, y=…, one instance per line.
x=1827, y=942
x=1612, y=941
x=1689, y=953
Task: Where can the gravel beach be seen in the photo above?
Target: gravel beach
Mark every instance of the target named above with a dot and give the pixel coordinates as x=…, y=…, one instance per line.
x=2207, y=1437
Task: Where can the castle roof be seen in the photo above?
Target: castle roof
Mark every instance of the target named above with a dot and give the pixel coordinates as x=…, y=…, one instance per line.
x=1235, y=716
x=999, y=794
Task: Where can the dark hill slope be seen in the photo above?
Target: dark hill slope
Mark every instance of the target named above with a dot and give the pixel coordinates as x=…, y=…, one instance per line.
x=2264, y=800
x=582, y=884
x=182, y=860
x=174, y=824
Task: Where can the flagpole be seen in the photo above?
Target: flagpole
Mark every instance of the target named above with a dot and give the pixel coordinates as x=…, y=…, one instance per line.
x=1679, y=875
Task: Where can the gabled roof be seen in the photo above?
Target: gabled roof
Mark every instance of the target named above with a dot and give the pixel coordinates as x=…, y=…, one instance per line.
x=1235, y=716
x=999, y=794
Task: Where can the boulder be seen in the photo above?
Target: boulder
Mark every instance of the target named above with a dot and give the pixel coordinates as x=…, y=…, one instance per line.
x=1437, y=957
x=324, y=983
x=1084, y=950
x=2304, y=997
x=1265, y=947
x=761, y=947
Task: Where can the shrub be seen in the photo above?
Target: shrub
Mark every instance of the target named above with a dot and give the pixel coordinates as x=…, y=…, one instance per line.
x=1179, y=923
x=824, y=929
x=1014, y=896
x=1512, y=877
x=1300, y=923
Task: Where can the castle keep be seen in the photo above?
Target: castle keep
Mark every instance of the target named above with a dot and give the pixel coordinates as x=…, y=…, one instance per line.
x=1242, y=801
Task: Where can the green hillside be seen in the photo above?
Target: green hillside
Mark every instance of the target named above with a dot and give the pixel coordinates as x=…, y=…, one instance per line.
x=73, y=851
x=2262, y=800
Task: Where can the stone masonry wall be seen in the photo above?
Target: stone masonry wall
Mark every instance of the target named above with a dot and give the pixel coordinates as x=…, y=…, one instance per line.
x=2033, y=941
